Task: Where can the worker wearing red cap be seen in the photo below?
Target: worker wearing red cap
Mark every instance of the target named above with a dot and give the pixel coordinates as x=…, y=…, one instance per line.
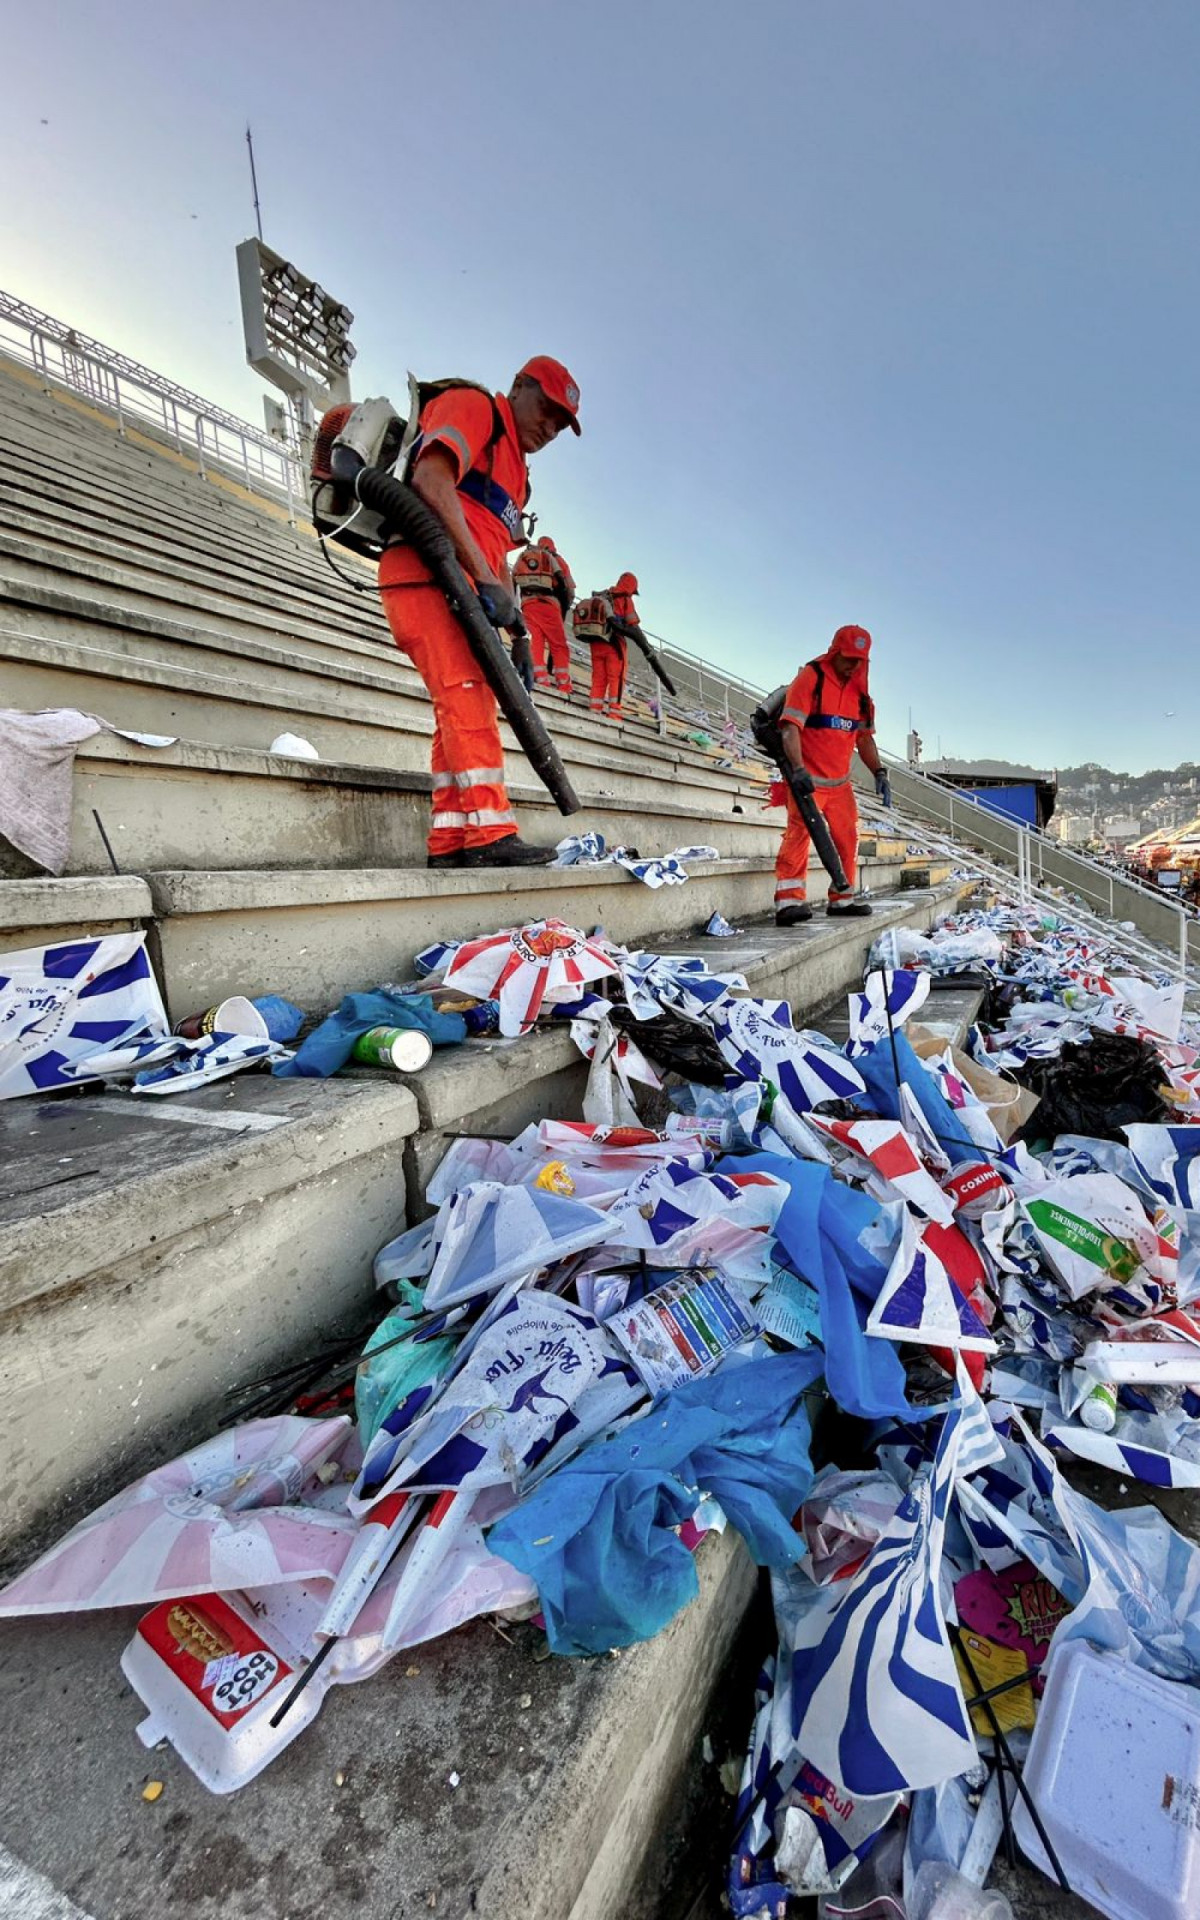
x=610, y=654
x=827, y=713
x=544, y=582
x=469, y=468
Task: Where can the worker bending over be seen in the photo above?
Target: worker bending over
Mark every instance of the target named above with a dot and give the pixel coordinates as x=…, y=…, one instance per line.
x=469, y=468
x=544, y=582
x=826, y=714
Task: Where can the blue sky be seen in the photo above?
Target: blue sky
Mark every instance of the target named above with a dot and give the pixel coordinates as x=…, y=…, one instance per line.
x=883, y=310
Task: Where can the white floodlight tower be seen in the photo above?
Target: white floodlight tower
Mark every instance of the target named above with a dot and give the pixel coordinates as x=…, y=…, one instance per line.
x=297, y=337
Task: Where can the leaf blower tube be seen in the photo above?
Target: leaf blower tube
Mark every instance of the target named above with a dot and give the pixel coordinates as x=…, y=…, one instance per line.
x=765, y=726
x=628, y=631
x=407, y=514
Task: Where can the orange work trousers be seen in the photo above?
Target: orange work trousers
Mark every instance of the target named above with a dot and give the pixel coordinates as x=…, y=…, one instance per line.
x=470, y=802
x=608, y=677
x=548, y=636
x=791, y=868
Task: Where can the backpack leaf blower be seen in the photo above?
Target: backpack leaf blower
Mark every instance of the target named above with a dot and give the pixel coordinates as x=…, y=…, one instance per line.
x=628, y=631
x=360, y=500
x=406, y=513
x=765, y=725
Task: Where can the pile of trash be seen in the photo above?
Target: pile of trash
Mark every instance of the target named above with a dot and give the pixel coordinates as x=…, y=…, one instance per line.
x=612, y=1338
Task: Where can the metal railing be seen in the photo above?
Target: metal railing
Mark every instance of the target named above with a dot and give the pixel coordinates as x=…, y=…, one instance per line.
x=1039, y=863
x=64, y=357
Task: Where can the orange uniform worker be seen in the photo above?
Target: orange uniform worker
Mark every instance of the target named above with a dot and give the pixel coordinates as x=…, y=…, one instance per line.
x=610, y=655
x=469, y=467
x=827, y=713
x=543, y=580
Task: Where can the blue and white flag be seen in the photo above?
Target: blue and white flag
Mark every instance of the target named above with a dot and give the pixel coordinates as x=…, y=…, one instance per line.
x=897, y=994
x=499, y=1413
x=213, y=1057
x=670, y=1200
x=758, y=1042
x=488, y=1234
x=877, y=1703
x=60, y=1003
x=919, y=1301
x=655, y=983
x=1167, y=1159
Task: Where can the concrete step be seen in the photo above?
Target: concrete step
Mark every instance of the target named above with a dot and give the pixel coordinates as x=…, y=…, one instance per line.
x=198, y=806
x=316, y=935
x=38, y=912
x=270, y=580
x=159, y=675
x=157, y=1254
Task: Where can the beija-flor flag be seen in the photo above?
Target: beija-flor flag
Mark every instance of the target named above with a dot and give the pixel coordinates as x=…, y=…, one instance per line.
x=887, y=1000
x=876, y=1699
x=492, y=1421
x=758, y=1041
x=60, y=1003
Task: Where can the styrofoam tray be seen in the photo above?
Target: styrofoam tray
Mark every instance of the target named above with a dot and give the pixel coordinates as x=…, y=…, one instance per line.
x=1114, y=1769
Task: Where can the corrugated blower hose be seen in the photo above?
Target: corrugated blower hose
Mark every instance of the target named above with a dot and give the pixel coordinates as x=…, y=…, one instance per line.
x=407, y=514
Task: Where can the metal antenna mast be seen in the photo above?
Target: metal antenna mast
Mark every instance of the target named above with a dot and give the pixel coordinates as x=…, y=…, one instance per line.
x=254, y=179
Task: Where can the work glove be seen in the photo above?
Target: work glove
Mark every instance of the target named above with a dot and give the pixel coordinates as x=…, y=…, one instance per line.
x=500, y=604
x=522, y=659
x=883, y=787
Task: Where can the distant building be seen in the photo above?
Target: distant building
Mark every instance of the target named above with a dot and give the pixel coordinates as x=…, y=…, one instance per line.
x=1120, y=830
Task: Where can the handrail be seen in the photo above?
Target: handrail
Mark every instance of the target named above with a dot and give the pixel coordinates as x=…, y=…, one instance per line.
x=213, y=436
x=1061, y=866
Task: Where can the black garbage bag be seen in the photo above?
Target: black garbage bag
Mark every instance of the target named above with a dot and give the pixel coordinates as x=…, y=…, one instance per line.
x=1095, y=1087
x=675, y=1045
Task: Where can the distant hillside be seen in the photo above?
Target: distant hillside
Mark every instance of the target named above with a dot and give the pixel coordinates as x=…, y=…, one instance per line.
x=1163, y=796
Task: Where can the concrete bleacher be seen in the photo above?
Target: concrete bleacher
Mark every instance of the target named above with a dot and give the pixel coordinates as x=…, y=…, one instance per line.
x=153, y=1257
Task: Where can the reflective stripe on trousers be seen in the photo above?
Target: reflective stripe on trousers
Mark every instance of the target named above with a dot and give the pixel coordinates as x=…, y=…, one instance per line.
x=836, y=801
x=548, y=635
x=470, y=802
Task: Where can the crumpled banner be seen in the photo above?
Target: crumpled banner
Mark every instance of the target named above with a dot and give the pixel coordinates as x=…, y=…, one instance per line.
x=660, y=870
x=229, y=1514
x=600, y=1538
x=654, y=983
x=495, y=1416
x=527, y=967
x=487, y=1235
x=758, y=1041
x=888, y=999
x=60, y=1003
x=213, y=1057
x=919, y=1301
x=876, y=1700
x=1133, y=1581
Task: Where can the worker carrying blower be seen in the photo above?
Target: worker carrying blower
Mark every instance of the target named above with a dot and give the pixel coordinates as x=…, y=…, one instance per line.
x=543, y=580
x=607, y=621
x=825, y=714
x=469, y=469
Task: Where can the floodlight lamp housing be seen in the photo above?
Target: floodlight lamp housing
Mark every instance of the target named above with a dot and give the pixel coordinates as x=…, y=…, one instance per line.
x=296, y=333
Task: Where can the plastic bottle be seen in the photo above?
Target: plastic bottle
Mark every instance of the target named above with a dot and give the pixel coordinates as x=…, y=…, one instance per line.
x=1099, y=1410
x=940, y=1893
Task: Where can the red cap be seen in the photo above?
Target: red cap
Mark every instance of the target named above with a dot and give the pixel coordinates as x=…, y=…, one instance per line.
x=627, y=584
x=855, y=641
x=557, y=385
x=544, y=540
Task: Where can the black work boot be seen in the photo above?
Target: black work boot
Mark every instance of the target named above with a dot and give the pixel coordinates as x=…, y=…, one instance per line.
x=436, y=862
x=793, y=916
x=512, y=851
x=848, y=909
